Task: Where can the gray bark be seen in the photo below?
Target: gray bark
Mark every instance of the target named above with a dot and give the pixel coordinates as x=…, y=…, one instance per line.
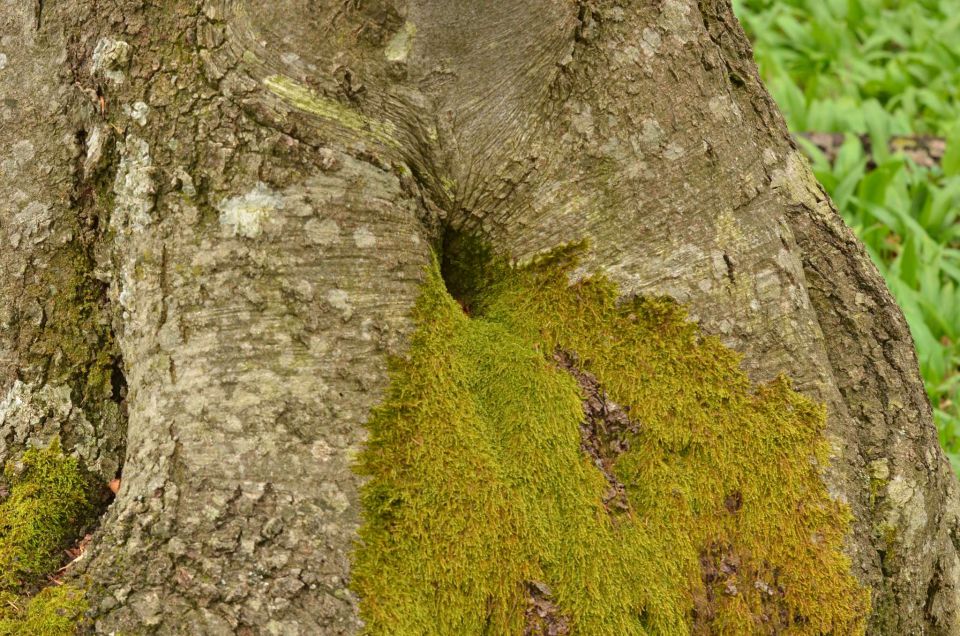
x=238, y=199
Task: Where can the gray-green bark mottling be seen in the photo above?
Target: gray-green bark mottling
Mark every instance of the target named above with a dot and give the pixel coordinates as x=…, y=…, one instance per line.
x=239, y=198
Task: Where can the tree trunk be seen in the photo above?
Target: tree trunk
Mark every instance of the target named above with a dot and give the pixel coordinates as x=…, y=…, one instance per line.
x=216, y=217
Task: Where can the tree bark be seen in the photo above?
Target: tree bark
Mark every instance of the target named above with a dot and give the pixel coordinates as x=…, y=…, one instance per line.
x=215, y=217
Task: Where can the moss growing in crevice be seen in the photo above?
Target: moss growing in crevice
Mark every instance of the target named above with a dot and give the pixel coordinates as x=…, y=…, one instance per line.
x=76, y=332
x=51, y=501
x=468, y=267
x=480, y=488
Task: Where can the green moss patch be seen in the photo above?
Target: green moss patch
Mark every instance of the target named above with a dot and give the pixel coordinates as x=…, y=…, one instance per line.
x=485, y=506
x=54, y=611
x=49, y=503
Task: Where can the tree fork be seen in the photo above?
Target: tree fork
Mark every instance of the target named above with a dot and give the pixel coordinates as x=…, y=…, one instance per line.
x=270, y=180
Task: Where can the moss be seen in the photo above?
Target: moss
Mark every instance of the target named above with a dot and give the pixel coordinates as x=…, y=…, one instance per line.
x=75, y=334
x=55, y=611
x=49, y=501
x=888, y=555
x=449, y=187
x=479, y=491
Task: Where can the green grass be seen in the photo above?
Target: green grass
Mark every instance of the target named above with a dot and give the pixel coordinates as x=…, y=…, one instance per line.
x=882, y=68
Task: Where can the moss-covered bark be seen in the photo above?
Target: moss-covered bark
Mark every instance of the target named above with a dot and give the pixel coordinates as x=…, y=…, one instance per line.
x=480, y=488
x=240, y=198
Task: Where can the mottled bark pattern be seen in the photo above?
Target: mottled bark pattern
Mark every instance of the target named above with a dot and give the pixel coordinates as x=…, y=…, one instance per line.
x=60, y=370
x=240, y=198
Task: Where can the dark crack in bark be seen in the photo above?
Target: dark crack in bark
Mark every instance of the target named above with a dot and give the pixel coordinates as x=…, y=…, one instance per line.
x=605, y=430
x=542, y=617
x=725, y=574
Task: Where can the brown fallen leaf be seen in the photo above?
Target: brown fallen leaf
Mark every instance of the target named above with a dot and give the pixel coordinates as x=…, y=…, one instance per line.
x=74, y=554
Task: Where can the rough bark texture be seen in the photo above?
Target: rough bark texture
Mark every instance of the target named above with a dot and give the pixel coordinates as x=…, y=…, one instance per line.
x=240, y=198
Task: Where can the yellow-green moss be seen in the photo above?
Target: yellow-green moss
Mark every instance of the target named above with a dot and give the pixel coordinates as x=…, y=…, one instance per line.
x=74, y=333
x=478, y=485
x=55, y=611
x=49, y=502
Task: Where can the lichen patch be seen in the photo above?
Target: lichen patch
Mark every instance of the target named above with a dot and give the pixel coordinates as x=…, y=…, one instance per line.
x=364, y=238
x=134, y=186
x=18, y=157
x=322, y=232
x=339, y=299
x=31, y=224
x=95, y=146
x=305, y=99
x=110, y=59
x=400, y=45
x=907, y=509
x=795, y=181
x=34, y=415
x=674, y=18
x=674, y=151
x=724, y=109
x=651, y=133
x=23, y=152
x=245, y=215
x=137, y=112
